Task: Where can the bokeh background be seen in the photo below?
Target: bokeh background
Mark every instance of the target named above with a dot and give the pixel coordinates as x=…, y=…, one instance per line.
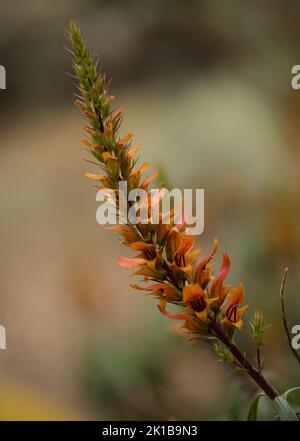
x=206, y=89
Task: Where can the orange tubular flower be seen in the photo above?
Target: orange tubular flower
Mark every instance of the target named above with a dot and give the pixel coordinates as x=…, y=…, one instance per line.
x=148, y=252
x=190, y=323
x=179, y=252
x=232, y=312
x=173, y=315
x=196, y=298
x=163, y=290
x=128, y=262
x=148, y=261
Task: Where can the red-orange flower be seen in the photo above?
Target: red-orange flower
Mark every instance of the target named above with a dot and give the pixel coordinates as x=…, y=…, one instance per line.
x=180, y=253
x=232, y=312
x=197, y=299
x=149, y=252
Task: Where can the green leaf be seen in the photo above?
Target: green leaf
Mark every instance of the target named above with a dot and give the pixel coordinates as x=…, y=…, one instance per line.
x=290, y=391
x=292, y=396
x=284, y=410
x=253, y=411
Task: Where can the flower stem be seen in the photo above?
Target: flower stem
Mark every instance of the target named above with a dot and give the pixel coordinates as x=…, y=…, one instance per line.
x=243, y=361
x=258, y=359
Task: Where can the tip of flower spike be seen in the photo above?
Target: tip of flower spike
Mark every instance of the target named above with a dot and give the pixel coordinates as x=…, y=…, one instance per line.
x=73, y=27
x=73, y=24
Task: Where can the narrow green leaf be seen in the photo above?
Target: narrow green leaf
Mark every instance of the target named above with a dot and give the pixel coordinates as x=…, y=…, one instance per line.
x=284, y=410
x=253, y=411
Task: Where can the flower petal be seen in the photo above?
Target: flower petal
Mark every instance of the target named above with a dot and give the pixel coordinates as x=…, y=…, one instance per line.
x=150, y=179
x=174, y=316
x=201, y=266
x=125, y=139
x=216, y=286
x=128, y=262
x=133, y=150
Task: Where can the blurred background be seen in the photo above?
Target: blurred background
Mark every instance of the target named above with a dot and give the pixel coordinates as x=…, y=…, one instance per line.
x=205, y=86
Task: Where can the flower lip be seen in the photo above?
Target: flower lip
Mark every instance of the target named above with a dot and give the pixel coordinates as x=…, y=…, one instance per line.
x=232, y=313
x=198, y=304
x=180, y=260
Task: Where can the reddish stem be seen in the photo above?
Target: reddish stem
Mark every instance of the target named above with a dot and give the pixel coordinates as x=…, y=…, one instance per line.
x=243, y=361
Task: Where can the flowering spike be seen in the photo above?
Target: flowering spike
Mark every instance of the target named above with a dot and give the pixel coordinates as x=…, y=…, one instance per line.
x=167, y=253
